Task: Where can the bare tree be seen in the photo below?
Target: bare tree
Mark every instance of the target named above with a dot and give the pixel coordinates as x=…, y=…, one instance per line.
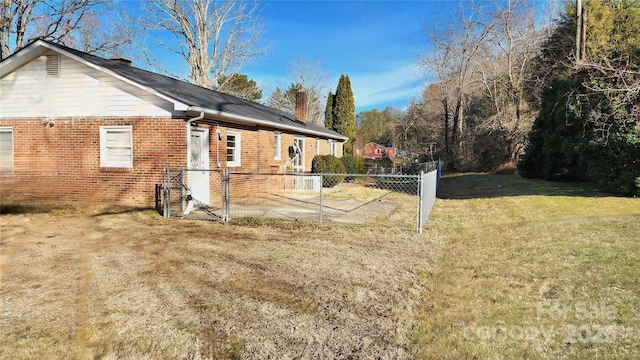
x=215, y=38
x=505, y=68
x=488, y=55
x=307, y=76
x=25, y=20
x=453, y=60
x=88, y=25
x=426, y=138
x=103, y=31
x=310, y=76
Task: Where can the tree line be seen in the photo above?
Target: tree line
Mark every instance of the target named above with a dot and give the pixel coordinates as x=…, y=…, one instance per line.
x=511, y=85
x=511, y=91
x=477, y=112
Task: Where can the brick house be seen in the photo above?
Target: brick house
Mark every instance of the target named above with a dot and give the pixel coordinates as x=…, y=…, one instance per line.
x=76, y=128
x=376, y=151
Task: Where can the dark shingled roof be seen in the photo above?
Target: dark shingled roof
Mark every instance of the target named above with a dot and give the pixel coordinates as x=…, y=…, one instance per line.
x=193, y=95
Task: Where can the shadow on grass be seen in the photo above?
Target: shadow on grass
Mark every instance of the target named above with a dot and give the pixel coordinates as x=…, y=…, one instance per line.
x=91, y=210
x=19, y=209
x=116, y=209
x=473, y=185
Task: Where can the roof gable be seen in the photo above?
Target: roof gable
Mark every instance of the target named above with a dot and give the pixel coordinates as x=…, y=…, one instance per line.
x=184, y=95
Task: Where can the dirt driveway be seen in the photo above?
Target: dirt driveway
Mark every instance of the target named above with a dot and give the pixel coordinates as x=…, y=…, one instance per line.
x=76, y=284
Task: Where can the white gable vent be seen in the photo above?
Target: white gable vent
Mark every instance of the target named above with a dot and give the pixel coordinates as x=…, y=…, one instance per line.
x=53, y=65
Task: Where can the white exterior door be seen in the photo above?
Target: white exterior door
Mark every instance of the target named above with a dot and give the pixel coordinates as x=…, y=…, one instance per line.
x=298, y=161
x=199, y=160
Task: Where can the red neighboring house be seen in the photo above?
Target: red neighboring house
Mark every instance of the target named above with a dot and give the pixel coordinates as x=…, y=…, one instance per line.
x=79, y=128
x=376, y=151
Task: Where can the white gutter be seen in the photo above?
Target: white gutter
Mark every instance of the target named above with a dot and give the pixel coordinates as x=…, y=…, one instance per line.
x=199, y=117
x=10, y=65
x=252, y=121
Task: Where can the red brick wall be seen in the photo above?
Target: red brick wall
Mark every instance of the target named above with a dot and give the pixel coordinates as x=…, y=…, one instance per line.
x=62, y=163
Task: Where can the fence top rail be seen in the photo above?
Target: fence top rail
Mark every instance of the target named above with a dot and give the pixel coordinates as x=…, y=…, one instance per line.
x=398, y=176
x=329, y=174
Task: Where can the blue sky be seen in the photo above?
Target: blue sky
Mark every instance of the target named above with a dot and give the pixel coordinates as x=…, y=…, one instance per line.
x=375, y=43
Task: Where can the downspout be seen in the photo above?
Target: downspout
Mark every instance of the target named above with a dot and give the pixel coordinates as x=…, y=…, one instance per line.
x=218, y=135
x=199, y=117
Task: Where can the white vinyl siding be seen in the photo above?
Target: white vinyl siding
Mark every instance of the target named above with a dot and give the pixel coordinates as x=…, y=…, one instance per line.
x=79, y=90
x=6, y=149
x=233, y=149
x=116, y=146
x=277, y=146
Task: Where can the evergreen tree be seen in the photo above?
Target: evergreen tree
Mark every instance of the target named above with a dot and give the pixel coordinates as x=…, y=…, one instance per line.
x=328, y=112
x=280, y=99
x=345, y=112
x=588, y=124
x=241, y=86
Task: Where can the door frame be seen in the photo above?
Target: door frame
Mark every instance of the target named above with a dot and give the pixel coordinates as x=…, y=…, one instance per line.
x=299, y=157
x=197, y=179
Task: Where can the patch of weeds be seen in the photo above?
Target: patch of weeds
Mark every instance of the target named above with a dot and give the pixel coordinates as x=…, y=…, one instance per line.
x=278, y=223
x=219, y=345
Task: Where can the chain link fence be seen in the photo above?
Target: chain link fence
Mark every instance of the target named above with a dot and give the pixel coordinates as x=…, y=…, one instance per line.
x=396, y=200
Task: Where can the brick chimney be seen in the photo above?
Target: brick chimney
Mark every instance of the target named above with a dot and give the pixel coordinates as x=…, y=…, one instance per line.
x=301, y=105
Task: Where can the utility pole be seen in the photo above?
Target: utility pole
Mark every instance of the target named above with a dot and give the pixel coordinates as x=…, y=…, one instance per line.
x=578, y=29
x=581, y=30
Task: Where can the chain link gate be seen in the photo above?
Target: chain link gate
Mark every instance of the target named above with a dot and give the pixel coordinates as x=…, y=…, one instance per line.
x=397, y=200
x=187, y=194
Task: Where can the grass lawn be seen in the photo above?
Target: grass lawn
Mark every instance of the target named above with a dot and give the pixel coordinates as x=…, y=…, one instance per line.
x=506, y=268
x=87, y=284
x=531, y=269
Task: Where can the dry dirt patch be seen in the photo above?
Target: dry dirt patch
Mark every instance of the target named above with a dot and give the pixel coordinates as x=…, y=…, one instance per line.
x=134, y=285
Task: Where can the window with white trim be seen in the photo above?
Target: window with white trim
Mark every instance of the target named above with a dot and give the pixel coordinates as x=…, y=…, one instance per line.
x=277, y=145
x=233, y=149
x=6, y=149
x=332, y=147
x=116, y=146
x=317, y=146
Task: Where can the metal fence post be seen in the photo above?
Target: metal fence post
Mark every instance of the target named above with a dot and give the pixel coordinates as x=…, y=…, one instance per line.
x=438, y=174
x=321, y=182
x=420, y=201
x=166, y=201
x=183, y=188
x=225, y=186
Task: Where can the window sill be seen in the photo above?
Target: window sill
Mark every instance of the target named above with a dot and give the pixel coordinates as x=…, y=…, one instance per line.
x=116, y=169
